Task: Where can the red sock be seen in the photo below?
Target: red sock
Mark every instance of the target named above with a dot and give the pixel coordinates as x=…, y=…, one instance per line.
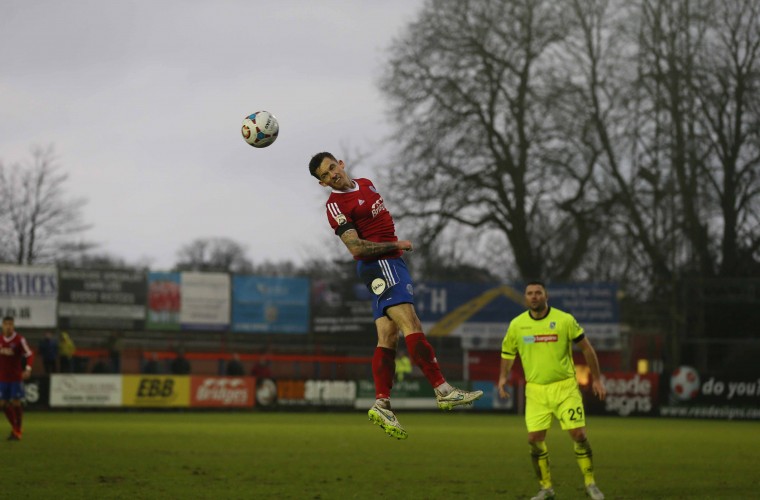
x=383, y=371
x=10, y=414
x=19, y=410
x=423, y=355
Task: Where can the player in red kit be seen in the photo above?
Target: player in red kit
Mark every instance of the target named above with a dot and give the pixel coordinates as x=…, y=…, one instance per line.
x=358, y=215
x=15, y=367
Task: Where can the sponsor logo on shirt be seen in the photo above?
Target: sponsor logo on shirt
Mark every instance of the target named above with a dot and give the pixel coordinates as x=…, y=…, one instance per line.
x=377, y=207
x=535, y=339
x=361, y=202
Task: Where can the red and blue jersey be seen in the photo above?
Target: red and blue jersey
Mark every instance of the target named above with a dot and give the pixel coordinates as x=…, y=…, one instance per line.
x=14, y=356
x=362, y=208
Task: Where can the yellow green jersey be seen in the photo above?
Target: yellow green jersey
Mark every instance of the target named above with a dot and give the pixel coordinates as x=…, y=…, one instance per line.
x=545, y=345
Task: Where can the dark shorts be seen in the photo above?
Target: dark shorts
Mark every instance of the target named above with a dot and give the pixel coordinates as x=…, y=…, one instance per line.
x=389, y=283
x=11, y=390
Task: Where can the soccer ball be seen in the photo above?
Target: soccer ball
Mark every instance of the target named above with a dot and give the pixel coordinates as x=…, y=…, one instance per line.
x=684, y=383
x=260, y=129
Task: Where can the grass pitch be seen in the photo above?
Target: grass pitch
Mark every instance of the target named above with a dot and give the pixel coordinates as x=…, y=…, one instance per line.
x=319, y=455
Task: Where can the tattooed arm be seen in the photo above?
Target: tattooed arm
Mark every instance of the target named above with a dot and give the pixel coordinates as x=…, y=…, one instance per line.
x=364, y=248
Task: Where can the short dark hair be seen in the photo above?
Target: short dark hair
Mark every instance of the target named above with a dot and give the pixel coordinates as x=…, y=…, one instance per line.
x=316, y=161
x=536, y=282
x=8, y=318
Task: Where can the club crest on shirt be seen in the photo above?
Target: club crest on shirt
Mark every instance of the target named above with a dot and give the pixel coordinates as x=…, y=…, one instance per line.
x=378, y=286
x=552, y=325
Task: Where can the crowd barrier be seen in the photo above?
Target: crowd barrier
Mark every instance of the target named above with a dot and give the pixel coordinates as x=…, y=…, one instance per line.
x=685, y=394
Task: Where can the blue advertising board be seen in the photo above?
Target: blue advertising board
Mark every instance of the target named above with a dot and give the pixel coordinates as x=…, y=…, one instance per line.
x=485, y=310
x=270, y=304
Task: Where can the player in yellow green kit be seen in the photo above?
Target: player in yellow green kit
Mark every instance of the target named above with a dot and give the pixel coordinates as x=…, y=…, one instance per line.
x=543, y=336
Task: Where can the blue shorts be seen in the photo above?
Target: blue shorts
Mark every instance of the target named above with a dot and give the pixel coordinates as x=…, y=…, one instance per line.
x=389, y=283
x=11, y=390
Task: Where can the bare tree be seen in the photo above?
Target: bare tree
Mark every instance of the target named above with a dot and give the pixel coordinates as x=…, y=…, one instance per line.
x=38, y=219
x=604, y=122
x=727, y=84
x=468, y=84
x=213, y=254
x=82, y=257
x=672, y=39
x=587, y=139
x=663, y=98
x=677, y=132
x=281, y=268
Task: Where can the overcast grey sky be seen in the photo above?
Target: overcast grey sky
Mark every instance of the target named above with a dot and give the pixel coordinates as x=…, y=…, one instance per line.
x=143, y=102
